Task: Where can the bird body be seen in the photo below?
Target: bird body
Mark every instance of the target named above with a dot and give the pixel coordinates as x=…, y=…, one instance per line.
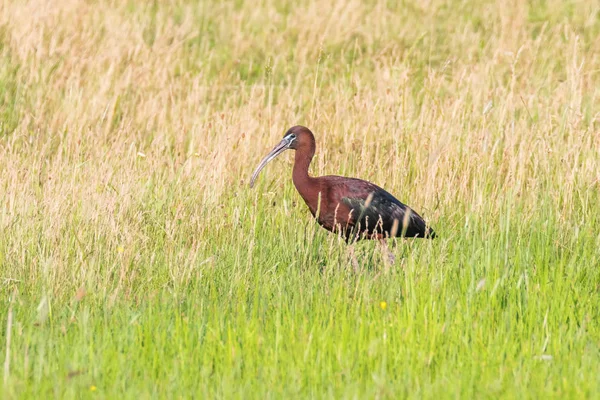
x=352, y=207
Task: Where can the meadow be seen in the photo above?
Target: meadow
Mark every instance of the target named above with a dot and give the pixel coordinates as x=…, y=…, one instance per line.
x=136, y=262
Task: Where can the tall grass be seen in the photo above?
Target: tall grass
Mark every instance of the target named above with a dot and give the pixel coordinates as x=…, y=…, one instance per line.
x=135, y=261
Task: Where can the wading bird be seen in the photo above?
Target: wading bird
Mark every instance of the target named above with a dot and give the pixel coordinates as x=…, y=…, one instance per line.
x=354, y=208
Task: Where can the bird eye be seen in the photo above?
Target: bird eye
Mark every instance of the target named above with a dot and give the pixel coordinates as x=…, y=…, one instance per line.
x=292, y=136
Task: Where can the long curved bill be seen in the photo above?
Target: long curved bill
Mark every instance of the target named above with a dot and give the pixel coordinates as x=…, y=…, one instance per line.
x=277, y=150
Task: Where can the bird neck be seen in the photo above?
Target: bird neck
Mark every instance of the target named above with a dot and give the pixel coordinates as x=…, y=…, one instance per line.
x=306, y=185
x=300, y=173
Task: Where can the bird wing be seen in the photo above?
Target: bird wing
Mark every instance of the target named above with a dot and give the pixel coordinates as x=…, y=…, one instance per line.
x=363, y=206
x=376, y=210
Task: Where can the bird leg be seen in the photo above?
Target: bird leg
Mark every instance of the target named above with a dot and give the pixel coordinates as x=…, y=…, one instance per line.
x=388, y=257
x=353, y=259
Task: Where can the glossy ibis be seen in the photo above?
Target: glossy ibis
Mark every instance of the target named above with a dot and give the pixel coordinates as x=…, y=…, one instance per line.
x=354, y=208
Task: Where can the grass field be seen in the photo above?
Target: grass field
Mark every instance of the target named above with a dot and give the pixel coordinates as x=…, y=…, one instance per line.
x=135, y=261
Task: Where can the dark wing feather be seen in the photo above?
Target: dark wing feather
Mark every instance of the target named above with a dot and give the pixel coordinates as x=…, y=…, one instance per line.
x=374, y=210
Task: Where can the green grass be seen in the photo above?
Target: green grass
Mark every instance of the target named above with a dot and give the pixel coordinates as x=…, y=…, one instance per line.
x=135, y=261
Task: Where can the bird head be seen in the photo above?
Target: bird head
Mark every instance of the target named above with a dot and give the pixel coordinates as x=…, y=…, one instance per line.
x=296, y=138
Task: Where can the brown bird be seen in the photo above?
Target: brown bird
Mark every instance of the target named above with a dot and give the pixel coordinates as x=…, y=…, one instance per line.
x=354, y=208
